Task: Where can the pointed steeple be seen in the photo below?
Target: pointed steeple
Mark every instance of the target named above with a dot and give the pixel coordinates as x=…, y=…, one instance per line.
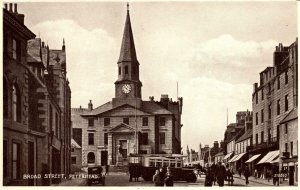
x=127, y=48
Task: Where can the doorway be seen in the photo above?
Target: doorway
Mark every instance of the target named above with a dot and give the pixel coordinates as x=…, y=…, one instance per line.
x=104, y=158
x=31, y=161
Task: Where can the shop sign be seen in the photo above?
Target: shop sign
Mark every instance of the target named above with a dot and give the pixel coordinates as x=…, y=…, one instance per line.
x=281, y=175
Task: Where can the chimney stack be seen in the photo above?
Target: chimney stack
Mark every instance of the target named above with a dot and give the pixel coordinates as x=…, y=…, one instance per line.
x=16, y=8
x=43, y=44
x=151, y=98
x=10, y=7
x=90, y=105
x=63, y=47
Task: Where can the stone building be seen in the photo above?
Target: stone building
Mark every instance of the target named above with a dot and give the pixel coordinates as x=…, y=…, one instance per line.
x=127, y=124
x=272, y=100
x=37, y=106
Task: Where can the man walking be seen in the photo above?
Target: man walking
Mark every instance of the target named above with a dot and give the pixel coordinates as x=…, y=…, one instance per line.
x=247, y=174
x=221, y=174
x=106, y=169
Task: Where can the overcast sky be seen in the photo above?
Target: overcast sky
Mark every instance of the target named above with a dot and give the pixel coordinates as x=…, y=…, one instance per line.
x=214, y=50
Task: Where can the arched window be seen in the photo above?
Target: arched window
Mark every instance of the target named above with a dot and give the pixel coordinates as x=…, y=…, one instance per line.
x=91, y=158
x=5, y=98
x=16, y=99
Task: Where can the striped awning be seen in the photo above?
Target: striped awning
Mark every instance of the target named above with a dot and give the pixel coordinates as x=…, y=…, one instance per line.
x=227, y=155
x=233, y=158
x=269, y=157
x=253, y=158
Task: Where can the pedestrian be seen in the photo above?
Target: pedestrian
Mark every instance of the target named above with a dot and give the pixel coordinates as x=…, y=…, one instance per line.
x=156, y=178
x=255, y=173
x=106, y=169
x=246, y=174
x=209, y=178
x=169, y=181
x=162, y=176
x=130, y=172
x=240, y=172
x=221, y=174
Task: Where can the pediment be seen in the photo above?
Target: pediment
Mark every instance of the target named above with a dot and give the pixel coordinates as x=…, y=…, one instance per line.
x=122, y=128
x=125, y=110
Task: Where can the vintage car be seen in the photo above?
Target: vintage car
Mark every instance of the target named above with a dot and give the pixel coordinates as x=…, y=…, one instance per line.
x=145, y=165
x=95, y=175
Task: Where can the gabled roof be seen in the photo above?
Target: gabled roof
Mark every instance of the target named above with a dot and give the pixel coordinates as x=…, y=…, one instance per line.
x=128, y=52
x=293, y=114
x=245, y=136
x=122, y=128
x=34, y=50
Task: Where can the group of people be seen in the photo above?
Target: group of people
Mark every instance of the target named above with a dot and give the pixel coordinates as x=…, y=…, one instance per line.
x=161, y=178
x=219, y=173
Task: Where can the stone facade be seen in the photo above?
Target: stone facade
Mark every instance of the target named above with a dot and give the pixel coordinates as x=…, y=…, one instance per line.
x=36, y=109
x=127, y=124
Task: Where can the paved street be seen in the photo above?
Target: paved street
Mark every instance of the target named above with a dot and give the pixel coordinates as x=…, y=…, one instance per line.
x=122, y=179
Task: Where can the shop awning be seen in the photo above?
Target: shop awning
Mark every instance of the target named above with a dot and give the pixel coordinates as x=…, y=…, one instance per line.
x=273, y=157
x=227, y=155
x=233, y=158
x=239, y=157
x=269, y=157
x=252, y=158
x=275, y=161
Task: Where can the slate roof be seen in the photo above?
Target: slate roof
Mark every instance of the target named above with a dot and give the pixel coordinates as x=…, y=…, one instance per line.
x=149, y=107
x=34, y=50
x=245, y=136
x=293, y=114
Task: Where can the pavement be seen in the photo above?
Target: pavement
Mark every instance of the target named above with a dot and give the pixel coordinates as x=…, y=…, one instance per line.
x=261, y=181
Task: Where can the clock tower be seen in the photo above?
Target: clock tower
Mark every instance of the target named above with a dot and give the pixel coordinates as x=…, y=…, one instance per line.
x=128, y=86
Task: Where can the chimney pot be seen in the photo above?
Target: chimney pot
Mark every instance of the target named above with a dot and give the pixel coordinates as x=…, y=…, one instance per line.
x=16, y=8
x=5, y=6
x=10, y=7
x=43, y=44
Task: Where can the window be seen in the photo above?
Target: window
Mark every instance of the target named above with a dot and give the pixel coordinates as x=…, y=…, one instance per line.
x=278, y=107
x=14, y=49
x=16, y=104
x=91, y=158
x=262, y=137
x=256, y=118
x=286, y=147
x=126, y=70
x=73, y=160
x=270, y=112
x=278, y=82
x=105, y=139
x=269, y=135
x=262, y=115
x=72, y=149
x=144, y=152
x=262, y=94
x=292, y=148
x=91, y=138
x=256, y=98
x=51, y=118
x=91, y=122
x=145, y=121
x=119, y=70
x=286, y=128
x=16, y=153
x=106, y=121
x=256, y=138
x=162, y=138
x=286, y=104
x=56, y=125
x=286, y=77
x=5, y=158
x=5, y=98
x=162, y=121
x=144, y=138
x=126, y=120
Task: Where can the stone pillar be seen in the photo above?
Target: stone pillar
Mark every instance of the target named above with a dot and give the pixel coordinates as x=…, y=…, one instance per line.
x=110, y=149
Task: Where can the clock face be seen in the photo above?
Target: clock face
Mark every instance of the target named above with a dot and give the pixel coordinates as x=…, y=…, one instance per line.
x=126, y=88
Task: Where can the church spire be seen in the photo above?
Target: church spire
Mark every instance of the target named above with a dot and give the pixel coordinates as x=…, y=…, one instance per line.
x=127, y=48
